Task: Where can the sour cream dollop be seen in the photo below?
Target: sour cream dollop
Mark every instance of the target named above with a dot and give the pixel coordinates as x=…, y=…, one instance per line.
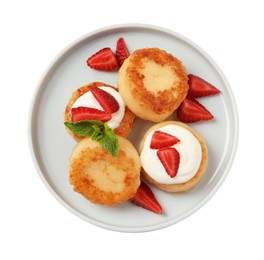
x=189, y=149
x=88, y=100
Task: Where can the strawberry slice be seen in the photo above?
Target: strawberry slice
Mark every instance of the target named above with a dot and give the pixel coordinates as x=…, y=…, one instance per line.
x=121, y=50
x=170, y=159
x=106, y=100
x=198, y=87
x=160, y=140
x=88, y=113
x=104, y=59
x=145, y=198
x=190, y=110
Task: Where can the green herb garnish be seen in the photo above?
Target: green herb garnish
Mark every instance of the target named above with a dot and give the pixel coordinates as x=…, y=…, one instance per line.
x=99, y=132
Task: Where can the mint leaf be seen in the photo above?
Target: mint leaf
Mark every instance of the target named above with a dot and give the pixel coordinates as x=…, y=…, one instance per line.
x=82, y=128
x=99, y=132
x=108, y=140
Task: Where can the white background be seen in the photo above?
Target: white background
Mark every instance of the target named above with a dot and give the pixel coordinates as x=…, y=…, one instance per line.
x=35, y=226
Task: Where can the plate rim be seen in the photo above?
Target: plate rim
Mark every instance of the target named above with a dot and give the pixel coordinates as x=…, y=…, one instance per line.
x=37, y=93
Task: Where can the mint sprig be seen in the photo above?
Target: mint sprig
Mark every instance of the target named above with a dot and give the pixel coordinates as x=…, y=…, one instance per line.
x=98, y=131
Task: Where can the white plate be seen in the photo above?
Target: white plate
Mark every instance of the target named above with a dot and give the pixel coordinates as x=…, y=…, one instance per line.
x=51, y=145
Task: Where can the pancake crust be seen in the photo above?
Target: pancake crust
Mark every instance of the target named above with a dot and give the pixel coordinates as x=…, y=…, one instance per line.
x=102, y=178
x=153, y=83
x=202, y=169
x=125, y=125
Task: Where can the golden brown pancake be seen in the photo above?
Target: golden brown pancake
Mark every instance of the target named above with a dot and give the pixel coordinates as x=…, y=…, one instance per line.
x=153, y=83
x=179, y=187
x=125, y=125
x=102, y=178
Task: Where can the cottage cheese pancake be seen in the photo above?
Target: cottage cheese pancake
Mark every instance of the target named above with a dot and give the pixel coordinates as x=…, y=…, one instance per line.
x=192, y=157
x=102, y=178
x=121, y=121
x=152, y=83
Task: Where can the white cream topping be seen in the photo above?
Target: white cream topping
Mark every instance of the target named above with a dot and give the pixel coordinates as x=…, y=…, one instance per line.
x=189, y=149
x=88, y=100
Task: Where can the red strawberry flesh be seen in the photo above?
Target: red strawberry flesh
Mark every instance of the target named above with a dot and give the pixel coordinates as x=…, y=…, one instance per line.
x=161, y=139
x=198, y=87
x=191, y=111
x=105, y=99
x=170, y=159
x=104, y=59
x=145, y=198
x=121, y=51
x=88, y=113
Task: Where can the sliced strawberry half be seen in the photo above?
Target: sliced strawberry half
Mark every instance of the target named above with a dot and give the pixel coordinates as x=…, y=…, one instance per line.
x=88, y=113
x=106, y=100
x=161, y=139
x=170, y=159
x=145, y=198
x=191, y=111
x=121, y=50
x=104, y=59
x=198, y=87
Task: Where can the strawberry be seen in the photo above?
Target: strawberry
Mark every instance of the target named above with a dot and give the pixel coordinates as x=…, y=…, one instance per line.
x=198, y=87
x=145, y=198
x=121, y=50
x=160, y=140
x=106, y=100
x=170, y=159
x=88, y=113
x=103, y=60
x=190, y=110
